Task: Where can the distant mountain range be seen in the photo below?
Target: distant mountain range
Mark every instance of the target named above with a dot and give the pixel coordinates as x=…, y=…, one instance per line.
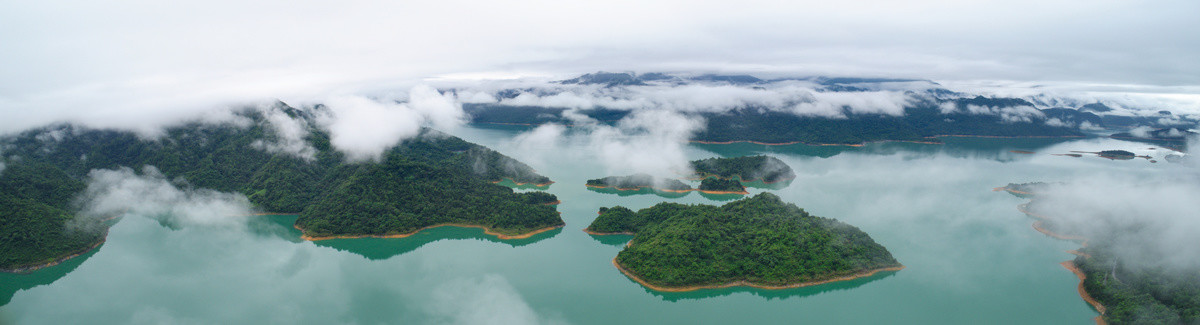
x=929, y=111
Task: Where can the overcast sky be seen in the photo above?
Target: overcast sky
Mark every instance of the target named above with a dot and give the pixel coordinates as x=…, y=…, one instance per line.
x=132, y=63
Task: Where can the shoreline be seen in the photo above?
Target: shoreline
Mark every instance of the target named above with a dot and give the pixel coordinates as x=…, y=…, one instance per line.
x=502, y=179
x=741, y=179
x=743, y=283
x=589, y=232
x=1070, y=265
x=31, y=268
x=486, y=231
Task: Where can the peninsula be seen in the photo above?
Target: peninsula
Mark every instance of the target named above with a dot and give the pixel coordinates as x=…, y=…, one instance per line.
x=427, y=180
x=758, y=241
x=1123, y=291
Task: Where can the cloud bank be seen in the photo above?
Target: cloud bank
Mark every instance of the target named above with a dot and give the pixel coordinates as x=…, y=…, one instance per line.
x=130, y=65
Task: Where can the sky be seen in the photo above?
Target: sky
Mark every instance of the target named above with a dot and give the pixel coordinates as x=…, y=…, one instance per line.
x=140, y=64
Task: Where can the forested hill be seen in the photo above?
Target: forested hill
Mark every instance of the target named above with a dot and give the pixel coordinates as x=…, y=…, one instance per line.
x=429, y=179
x=747, y=169
x=759, y=241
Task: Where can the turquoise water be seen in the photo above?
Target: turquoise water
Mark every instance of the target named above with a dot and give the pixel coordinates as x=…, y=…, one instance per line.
x=971, y=257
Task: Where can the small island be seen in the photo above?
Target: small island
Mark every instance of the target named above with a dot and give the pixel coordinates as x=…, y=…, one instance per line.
x=639, y=181
x=713, y=185
x=747, y=169
x=1117, y=154
x=759, y=241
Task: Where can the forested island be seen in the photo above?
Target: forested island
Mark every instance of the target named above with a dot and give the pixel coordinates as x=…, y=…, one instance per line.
x=638, y=182
x=758, y=241
x=746, y=169
x=713, y=185
x=428, y=180
x=1123, y=292
x=1117, y=154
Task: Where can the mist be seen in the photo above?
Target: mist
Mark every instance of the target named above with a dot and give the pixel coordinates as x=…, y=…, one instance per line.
x=648, y=141
x=113, y=193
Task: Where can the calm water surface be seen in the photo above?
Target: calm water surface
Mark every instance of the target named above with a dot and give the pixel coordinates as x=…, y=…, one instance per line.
x=971, y=257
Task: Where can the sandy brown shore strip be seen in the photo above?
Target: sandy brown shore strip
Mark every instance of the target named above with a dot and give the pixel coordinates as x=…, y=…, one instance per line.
x=522, y=184
x=1070, y=265
x=748, y=284
x=31, y=268
x=486, y=230
x=590, y=232
x=740, y=178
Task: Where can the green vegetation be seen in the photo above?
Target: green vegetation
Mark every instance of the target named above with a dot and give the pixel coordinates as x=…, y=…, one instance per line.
x=760, y=240
x=747, y=169
x=1117, y=154
x=638, y=181
x=429, y=179
x=713, y=184
x=1133, y=294
x=34, y=228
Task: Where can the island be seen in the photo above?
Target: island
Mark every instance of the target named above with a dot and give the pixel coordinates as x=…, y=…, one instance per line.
x=1117, y=154
x=713, y=185
x=759, y=241
x=431, y=179
x=639, y=181
x=1123, y=291
x=747, y=169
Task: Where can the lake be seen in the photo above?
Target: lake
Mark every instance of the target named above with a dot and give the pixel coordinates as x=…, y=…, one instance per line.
x=971, y=257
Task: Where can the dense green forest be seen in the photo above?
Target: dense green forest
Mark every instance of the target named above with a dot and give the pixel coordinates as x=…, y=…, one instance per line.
x=431, y=178
x=34, y=219
x=1138, y=294
x=714, y=184
x=760, y=239
x=747, y=168
x=1131, y=293
x=639, y=181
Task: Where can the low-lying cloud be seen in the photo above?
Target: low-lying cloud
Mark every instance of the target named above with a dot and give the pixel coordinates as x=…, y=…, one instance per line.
x=646, y=141
x=1149, y=222
x=123, y=192
x=363, y=128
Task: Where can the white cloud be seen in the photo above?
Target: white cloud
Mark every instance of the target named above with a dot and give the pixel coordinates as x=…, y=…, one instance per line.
x=489, y=299
x=112, y=193
x=1149, y=221
x=646, y=141
x=363, y=128
x=289, y=134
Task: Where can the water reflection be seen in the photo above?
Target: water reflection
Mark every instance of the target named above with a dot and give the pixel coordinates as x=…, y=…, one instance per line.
x=770, y=294
x=613, y=240
x=384, y=248
x=10, y=283
x=641, y=191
